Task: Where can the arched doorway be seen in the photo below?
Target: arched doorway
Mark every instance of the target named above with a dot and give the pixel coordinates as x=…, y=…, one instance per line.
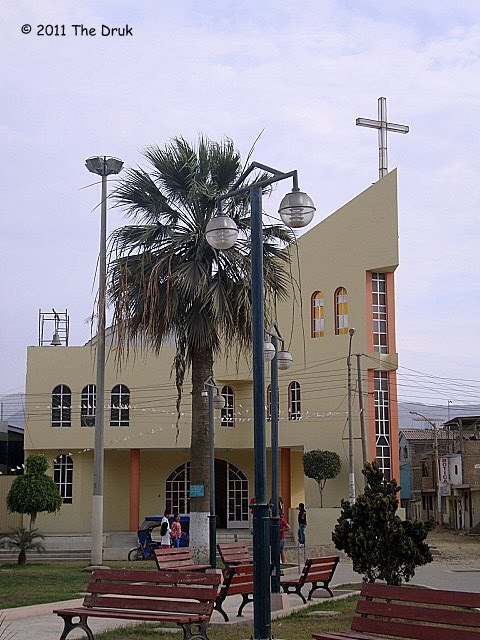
x=231, y=493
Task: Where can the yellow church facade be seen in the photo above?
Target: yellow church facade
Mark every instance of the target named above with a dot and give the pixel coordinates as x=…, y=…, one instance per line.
x=343, y=274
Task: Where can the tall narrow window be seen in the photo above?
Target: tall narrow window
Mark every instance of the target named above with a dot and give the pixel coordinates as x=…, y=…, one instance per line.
x=63, y=477
x=341, y=311
x=318, y=314
x=120, y=406
x=228, y=411
x=61, y=406
x=294, y=404
x=379, y=309
x=382, y=423
x=87, y=406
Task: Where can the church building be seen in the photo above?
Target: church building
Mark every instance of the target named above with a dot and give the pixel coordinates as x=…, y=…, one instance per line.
x=343, y=271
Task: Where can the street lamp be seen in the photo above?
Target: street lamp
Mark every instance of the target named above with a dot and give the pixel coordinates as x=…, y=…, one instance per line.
x=103, y=166
x=216, y=401
x=296, y=211
x=351, y=462
x=435, y=461
x=282, y=360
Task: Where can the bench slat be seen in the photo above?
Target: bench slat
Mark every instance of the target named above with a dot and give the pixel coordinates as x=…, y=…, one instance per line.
x=413, y=631
x=184, y=592
x=416, y=594
x=148, y=604
x=435, y=615
x=167, y=576
x=133, y=615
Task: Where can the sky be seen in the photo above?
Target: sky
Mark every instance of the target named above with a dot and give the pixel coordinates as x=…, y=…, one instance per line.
x=299, y=74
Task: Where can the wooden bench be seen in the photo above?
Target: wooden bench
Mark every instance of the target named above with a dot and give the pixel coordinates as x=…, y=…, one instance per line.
x=177, y=560
x=166, y=596
x=412, y=612
x=238, y=579
x=233, y=553
x=316, y=571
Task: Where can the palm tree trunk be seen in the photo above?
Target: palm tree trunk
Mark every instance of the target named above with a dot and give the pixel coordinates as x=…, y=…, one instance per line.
x=202, y=369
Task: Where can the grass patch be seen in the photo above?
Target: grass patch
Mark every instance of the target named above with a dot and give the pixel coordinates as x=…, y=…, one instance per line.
x=50, y=582
x=297, y=626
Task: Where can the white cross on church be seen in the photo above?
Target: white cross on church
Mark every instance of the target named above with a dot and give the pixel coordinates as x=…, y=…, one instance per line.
x=383, y=126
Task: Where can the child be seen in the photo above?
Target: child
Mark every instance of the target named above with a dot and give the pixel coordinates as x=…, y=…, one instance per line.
x=176, y=530
x=165, y=541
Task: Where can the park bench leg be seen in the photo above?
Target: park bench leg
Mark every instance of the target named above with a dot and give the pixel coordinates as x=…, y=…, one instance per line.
x=315, y=586
x=245, y=600
x=195, y=630
x=81, y=624
x=218, y=607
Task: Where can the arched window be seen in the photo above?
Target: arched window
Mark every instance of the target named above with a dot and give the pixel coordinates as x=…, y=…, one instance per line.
x=120, y=406
x=61, y=406
x=228, y=411
x=63, y=477
x=177, y=490
x=294, y=404
x=318, y=315
x=341, y=311
x=87, y=406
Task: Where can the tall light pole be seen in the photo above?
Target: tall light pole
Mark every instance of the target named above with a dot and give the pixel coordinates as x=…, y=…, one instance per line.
x=280, y=360
x=351, y=461
x=296, y=210
x=435, y=460
x=216, y=401
x=103, y=166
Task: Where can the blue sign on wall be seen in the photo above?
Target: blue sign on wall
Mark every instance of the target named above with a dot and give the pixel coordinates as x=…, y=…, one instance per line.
x=197, y=490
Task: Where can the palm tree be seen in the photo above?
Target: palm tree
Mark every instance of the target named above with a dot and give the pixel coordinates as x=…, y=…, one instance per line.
x=165, y=280
x=23, y=540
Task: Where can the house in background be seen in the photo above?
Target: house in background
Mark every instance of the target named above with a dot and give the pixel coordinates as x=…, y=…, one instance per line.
x=444, y=485
x=344, y=278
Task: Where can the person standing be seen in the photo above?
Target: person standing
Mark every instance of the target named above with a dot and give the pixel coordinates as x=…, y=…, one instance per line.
x=176, y=530
x=283, y=528
x=302, y=524
x=165, y=540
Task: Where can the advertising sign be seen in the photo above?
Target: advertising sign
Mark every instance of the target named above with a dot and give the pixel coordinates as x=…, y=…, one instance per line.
x=444, y=477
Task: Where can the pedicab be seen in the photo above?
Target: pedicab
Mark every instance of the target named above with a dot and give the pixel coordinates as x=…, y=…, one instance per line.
x=145, y=546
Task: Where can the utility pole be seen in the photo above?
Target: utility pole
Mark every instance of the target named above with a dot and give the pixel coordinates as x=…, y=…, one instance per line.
x=363, y=431
x=351, y=461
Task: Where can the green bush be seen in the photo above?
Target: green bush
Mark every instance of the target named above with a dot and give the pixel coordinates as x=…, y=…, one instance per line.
x=34, y=492
x=380, y=544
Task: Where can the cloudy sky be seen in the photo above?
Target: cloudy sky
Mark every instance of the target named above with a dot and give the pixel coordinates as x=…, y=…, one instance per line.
x=301, y=73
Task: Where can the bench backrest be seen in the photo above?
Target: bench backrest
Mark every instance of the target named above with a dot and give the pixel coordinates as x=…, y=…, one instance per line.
x=153, y=591
x=238, y=579
x=175, y=557
x=234, y=553
x=319, y=569
x=417, y=613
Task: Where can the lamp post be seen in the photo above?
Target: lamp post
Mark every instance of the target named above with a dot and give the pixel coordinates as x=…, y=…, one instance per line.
x=435, y=461
x=103, y=166
x=281, y=360
x=296, y=210
x=216, y=401
x=351, y=462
